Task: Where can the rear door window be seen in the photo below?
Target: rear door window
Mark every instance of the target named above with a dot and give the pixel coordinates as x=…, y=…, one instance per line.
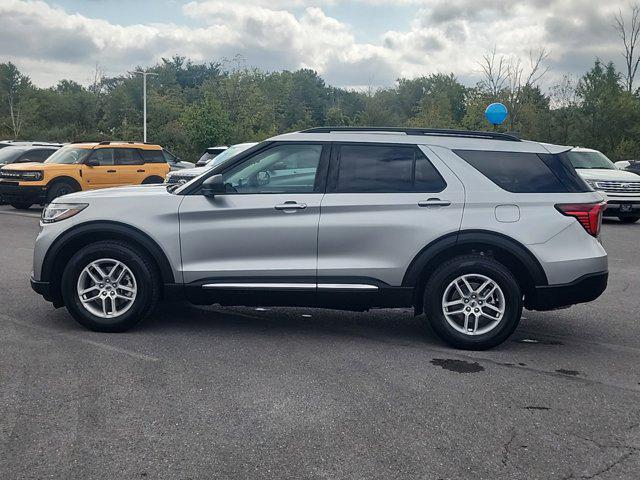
x=385, y=169
x=127, y=156
x=516, y=172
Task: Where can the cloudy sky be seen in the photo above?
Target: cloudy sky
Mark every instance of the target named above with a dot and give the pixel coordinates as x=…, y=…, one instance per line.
x=353, y=43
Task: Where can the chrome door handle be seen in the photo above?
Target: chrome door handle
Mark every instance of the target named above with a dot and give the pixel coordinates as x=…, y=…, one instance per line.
x=434, y=202
x=291, y=206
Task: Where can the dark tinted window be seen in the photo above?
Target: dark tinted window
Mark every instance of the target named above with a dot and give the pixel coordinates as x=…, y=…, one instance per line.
x=386, y=168
x=127, y=156
x=153, y=156
x=36, y=155
x=515, y=171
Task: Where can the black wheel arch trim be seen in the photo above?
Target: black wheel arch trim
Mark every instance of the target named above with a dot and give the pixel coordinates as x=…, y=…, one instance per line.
x=469, y=237
x=101, y=226
x=64, y=178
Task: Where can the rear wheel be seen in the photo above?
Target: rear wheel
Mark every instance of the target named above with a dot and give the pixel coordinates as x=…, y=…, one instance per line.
x=473, y=302
x=22, y=205
x=58, y=189
x=629, y=219
x=109, y=287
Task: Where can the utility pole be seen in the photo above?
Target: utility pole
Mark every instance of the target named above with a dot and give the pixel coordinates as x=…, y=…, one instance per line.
x=144, y=100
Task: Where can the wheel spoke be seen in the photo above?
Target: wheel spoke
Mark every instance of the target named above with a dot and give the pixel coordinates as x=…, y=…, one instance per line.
x=114, y=268
x=479, y=290
x=454, y=302
x=126, y=288
x=467, y=285
x=92, y=287
x=101, y=272
x=494, y=308
x=488, y=294
x=462, y=294
x=92, y=275
x=475, y=323
x=90, y=299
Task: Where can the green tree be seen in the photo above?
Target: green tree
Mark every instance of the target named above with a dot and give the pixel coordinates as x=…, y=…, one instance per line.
x=206, y=124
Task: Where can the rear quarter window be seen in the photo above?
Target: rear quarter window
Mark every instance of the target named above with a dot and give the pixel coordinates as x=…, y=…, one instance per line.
x=152, y=156
x=520, y=172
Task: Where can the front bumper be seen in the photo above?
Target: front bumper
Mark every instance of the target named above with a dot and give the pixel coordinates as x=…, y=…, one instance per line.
x=584, y=289
x=12, y=192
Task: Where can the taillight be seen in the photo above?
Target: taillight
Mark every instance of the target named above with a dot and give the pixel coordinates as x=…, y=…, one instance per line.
x=588, y=214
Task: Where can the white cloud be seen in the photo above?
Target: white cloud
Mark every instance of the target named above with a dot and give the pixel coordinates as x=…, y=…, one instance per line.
x=441, y=36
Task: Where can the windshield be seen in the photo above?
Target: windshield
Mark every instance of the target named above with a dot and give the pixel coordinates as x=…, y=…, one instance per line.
x=68, y=155
x=9, y=154
x=590, y=160
x=230, y=152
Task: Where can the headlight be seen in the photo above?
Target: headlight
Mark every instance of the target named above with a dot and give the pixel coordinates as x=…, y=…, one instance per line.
x=35, y=176
x=592, y=183
x=54, y=212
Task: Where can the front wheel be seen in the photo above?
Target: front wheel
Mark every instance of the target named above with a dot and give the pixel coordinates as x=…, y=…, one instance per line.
x=473, y=302
x=59, y=189
x=629, y=219
x=109, y=287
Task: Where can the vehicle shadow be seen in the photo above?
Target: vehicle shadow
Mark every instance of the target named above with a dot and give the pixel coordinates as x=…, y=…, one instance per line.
x=392, y=326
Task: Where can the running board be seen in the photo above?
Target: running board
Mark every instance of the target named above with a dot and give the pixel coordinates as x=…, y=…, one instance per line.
x=290, y=286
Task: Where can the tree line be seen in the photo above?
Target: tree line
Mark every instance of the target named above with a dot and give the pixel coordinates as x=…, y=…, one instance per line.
x=195, y=105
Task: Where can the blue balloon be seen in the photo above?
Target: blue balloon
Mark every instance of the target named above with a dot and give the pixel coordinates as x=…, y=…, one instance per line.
x=496, y=113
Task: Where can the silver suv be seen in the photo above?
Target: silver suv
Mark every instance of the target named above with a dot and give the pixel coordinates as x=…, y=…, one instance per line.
x=465, y=227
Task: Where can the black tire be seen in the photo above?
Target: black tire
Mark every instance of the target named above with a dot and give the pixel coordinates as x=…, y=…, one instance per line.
x=58, y=189
x=472, y=264
x=145, y=276
x=629, y=219
x=152, y=180
x=22, y=206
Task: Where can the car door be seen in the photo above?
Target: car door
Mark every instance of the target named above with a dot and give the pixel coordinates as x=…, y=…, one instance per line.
x=130, y=166
x=104, y=173
x=263, y=231
x=384, y=203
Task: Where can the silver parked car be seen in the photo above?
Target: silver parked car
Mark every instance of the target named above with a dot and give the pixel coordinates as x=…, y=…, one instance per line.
x=465, y=227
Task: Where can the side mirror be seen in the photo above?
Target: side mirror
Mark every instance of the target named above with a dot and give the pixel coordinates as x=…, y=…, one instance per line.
x=92, y=163
x=213, y=186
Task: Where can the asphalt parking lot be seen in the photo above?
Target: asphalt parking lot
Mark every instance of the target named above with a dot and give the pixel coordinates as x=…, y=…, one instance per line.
x=298, y=393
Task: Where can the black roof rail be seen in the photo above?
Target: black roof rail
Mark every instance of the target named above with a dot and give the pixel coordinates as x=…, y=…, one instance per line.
x=442, y=132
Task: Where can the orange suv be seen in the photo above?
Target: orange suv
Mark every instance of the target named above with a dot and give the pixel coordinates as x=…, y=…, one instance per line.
x=82, y=166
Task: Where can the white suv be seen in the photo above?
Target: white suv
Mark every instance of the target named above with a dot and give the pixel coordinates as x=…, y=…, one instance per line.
x=466, y=227
x=620, y=189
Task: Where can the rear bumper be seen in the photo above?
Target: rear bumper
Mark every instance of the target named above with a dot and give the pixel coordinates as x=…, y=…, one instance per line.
x=584, y=289
x=615, y=208
x=13, y=193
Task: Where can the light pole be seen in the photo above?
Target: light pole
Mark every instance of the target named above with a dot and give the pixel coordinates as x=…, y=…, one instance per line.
x=144, y=100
